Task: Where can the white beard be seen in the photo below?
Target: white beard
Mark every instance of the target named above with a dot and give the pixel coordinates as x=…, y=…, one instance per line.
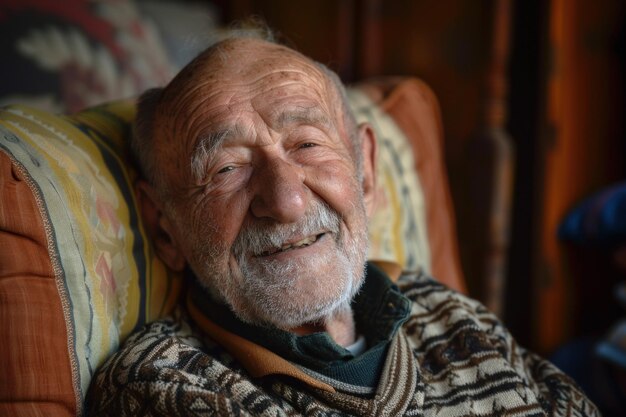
x=287, y=294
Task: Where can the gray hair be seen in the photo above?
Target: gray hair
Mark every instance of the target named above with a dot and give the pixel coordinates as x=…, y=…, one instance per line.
x=145, y=125
x=142, y=138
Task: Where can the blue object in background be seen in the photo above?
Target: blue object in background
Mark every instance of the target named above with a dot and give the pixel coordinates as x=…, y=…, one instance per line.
x=597, y=363
x=597, y=220
x=596, y=376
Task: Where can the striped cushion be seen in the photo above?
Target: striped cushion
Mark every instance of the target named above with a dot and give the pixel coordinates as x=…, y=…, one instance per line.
x=76, y=272
x=415, y=110
x=397, y=227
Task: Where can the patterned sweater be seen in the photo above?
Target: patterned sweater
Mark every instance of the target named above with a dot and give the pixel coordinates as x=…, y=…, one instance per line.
x=450, y=358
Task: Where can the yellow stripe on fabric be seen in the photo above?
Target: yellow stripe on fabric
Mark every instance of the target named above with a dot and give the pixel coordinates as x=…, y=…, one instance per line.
x=31, y=132
x=398, y=224
x=396, y=235
x=49, y=134
x=102, y=124
x=161, y=290
x=79, y=173
x=99, y=120
x=125, y=110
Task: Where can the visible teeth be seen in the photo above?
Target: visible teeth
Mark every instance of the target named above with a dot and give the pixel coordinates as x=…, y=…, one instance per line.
x=307, y=241
x=304, y=242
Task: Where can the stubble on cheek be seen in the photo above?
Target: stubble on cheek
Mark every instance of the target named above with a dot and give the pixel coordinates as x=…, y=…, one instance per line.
x=209, y=258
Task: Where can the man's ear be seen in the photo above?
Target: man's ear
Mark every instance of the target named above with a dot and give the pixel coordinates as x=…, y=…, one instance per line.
x=369, y=148
x=159, y=227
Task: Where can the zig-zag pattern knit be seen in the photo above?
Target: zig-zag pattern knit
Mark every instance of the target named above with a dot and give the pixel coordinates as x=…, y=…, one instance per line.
x=451, y=358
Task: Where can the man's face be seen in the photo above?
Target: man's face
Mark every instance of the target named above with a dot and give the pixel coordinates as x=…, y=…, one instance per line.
x=268, y=209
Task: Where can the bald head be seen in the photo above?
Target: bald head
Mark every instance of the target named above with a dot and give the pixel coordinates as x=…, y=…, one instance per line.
x=173, y=121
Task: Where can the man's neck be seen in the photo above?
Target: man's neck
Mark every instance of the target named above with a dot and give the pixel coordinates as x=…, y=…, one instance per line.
x=340, y=327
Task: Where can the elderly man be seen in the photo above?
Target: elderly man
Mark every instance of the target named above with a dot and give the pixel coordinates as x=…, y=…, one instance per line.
x=258, y=182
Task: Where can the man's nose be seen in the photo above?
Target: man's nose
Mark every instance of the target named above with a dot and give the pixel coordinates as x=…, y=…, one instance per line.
x=280, y=192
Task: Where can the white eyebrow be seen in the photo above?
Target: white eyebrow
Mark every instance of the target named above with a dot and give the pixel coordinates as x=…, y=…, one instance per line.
x=205, y=149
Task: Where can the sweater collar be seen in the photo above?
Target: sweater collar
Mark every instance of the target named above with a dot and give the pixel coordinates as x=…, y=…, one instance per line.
x=379, y=310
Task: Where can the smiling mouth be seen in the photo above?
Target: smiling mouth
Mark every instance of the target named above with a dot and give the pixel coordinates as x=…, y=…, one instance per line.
x=307, y=241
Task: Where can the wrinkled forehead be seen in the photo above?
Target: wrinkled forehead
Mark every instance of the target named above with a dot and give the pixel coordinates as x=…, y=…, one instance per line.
x=237, y=78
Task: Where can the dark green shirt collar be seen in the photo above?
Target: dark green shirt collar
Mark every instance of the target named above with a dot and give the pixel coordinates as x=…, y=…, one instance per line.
x=379, y=310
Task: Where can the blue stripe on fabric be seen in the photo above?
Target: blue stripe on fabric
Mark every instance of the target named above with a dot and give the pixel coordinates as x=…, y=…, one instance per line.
x=113, y=165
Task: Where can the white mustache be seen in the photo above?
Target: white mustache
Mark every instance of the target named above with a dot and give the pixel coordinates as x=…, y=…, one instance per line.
x=265, y=236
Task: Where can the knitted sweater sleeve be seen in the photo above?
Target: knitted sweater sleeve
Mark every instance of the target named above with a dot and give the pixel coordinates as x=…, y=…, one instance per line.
x=164, y=370
x=468, y=356
x=557, y=393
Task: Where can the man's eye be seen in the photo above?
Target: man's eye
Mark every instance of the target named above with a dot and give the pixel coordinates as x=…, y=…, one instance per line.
x=226, y=169
x=307, y=145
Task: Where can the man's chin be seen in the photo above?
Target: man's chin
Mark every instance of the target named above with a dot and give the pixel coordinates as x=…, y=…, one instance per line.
x=288, y=316
x=297, y=300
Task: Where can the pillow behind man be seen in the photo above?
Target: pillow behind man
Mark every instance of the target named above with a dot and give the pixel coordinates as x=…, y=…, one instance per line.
x=77, y=274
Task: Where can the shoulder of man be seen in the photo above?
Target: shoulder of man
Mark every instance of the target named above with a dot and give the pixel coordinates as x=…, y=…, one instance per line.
x=464, y=350
x=168, y=368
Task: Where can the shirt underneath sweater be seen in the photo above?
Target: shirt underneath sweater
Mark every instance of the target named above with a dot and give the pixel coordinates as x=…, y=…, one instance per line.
x=379, y=310
x=448, y=357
